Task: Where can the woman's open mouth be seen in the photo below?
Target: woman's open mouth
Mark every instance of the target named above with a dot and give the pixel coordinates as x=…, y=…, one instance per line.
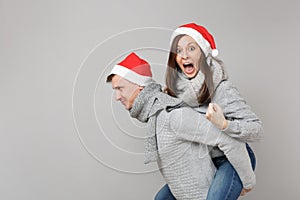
x=189, y=68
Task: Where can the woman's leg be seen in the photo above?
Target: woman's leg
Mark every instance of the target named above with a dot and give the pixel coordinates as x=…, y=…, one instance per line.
x=164, y=194
x=252, y=156
x=227, y=184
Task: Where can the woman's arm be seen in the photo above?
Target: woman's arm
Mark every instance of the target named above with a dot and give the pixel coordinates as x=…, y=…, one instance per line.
x=189, y=125
x=242, y=123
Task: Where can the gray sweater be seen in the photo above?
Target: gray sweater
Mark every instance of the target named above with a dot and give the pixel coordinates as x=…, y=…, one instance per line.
x=183, y=139
x=243, y=124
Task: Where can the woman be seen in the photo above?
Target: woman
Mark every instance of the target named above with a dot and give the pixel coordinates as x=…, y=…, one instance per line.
x=196, y=76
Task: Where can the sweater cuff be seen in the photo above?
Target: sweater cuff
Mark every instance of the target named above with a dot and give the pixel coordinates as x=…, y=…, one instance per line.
x=229, y=128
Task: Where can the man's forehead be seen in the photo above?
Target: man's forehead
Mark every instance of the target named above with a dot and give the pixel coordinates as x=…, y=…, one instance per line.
x=119, y=81
x=116, y=78
x=115, y=81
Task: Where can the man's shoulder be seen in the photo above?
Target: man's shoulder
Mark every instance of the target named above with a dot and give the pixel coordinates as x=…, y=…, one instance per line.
x=180, y=112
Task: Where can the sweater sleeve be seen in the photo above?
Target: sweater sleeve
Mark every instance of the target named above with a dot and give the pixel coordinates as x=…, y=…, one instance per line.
x=191, y=126
x=243, y=124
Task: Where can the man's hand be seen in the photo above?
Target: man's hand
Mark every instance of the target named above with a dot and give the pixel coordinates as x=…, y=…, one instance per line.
x=244, y=191
x=215, y=114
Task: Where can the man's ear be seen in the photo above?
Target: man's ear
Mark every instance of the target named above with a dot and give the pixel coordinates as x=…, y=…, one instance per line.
x=140, y=87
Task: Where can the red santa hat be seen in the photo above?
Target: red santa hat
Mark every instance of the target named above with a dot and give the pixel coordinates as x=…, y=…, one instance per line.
x=200, y=34
x=133, y=69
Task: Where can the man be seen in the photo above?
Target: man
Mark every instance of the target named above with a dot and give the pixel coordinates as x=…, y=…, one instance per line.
x=177, y=137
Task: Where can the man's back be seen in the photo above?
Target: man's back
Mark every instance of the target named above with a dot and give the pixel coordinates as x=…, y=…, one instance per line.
x=185, y=165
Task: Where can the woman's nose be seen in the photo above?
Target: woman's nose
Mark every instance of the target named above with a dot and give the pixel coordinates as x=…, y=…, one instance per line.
x=184, y=54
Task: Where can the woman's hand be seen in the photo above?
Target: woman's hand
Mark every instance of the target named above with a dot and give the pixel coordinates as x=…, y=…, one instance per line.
x=244, y=191
x=215, y=114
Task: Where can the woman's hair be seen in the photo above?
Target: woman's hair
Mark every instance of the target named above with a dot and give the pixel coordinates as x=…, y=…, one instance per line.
x=206, y=92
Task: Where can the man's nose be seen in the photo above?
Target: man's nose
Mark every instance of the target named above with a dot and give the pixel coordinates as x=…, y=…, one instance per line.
x=118, y=96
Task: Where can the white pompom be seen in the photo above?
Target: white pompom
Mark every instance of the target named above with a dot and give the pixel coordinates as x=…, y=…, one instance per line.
x=214, y=52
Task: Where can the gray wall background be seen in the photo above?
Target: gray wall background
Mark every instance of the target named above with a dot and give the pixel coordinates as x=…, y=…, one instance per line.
x=63, y=136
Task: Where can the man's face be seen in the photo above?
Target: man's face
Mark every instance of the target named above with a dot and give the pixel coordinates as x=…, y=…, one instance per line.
x=126, y=91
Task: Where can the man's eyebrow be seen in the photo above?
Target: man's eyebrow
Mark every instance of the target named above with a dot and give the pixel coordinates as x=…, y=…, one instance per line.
x=116, y=87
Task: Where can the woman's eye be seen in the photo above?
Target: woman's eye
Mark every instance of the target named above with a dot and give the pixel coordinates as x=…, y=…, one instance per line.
x=192, y=48
x=178, y=51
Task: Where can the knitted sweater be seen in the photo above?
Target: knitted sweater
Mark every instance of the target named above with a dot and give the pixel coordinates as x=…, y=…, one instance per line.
x=243, y=124
x=183, y=136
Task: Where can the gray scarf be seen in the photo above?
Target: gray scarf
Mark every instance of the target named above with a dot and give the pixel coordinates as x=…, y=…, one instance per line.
x=188, y=89
x=148, y=104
